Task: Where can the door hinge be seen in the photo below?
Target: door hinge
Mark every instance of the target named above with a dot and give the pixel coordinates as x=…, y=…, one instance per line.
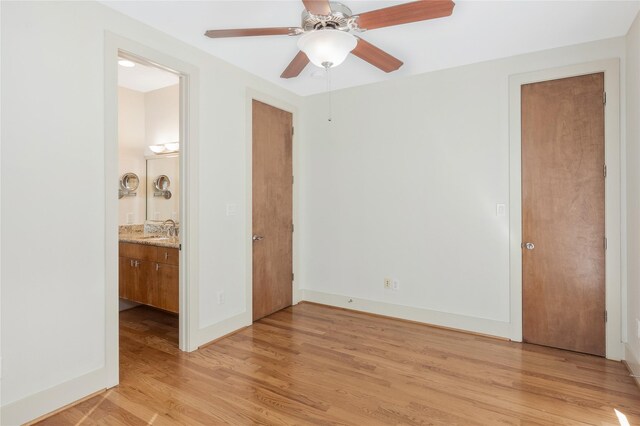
x=293, y=130
x=606, y=318
x=292, y=227
x=293, y=277
x=604, y=170
x=604, y=98
x=293, y=180
x=605, y=243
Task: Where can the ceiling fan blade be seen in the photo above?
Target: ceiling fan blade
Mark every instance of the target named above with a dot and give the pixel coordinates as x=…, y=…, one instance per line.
x=248, y=32
x=296, y=66
x=375, y=56
x=415, y=11
x=317, y=7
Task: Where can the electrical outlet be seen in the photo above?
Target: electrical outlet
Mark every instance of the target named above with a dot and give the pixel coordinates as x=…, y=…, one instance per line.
x=221, y=298
x=232, y=209
x=395, y=285
x=388, y=283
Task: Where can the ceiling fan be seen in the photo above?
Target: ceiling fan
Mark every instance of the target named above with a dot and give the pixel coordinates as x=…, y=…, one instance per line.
x=327, y=32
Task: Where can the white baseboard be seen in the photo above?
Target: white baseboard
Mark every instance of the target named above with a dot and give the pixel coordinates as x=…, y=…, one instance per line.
x=443, y=319
x=49, y=400
x=632, y=362
x=215, y=331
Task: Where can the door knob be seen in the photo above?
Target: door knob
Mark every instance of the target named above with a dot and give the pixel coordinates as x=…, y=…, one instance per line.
x=528, y=246
x=257, y=237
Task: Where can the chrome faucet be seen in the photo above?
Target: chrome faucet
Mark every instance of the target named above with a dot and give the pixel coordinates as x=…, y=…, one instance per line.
x=173, y=229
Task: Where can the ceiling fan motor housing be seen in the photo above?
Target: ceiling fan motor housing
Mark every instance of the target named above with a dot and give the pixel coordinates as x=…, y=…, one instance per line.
x=341, y=18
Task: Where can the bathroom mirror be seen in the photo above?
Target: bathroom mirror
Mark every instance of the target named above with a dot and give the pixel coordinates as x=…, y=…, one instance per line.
x=129, y=182
x=163, y=188
x=162, y=183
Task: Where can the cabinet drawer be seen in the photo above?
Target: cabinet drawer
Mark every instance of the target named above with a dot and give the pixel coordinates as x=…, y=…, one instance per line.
x=168, y=255
x=139, y=251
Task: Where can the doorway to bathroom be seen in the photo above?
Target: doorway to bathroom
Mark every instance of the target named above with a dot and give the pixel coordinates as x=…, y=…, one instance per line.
x=150, y=199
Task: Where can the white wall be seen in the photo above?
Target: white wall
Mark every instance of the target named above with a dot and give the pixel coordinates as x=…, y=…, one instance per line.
x=53, y=118
x=131, y=151
x=162, y=115
x=404, y=182
x=633, y=196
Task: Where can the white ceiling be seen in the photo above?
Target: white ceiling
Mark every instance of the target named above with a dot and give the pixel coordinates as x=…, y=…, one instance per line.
x=477, y=31
x=144, y=79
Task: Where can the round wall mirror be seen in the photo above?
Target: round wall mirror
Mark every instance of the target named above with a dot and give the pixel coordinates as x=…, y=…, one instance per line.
x=162, y=183
x=129, y=182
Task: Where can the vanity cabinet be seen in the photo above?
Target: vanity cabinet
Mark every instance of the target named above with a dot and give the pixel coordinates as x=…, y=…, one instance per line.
x=149, y=275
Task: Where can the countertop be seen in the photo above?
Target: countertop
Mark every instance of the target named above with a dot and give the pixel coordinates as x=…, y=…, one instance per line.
x=140, y=238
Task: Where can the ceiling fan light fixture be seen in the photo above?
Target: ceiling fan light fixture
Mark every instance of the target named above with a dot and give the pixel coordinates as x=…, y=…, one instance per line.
x=328, y=47
x=126, y=63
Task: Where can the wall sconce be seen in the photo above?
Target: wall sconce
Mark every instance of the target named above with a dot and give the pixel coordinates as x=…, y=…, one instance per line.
x=165, y=148
x=161, y=186
x=128, y=185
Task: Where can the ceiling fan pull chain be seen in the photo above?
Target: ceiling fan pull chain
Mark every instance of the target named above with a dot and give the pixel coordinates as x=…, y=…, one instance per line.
x=328, y=68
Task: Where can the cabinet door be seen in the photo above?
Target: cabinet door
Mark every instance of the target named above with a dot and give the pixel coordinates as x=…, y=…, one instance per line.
x=126, y=278
x=165, y=292
x=144, y=275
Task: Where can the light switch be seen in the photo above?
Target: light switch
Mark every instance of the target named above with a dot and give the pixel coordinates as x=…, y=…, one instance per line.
x=129, y=218
x=501, y=210
x=232, y=209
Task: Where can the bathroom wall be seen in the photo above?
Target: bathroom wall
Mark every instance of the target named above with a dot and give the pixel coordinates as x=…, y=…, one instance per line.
x=159, y=207
x=145, y=119
x=132, y=145
x=162, y=120
x=162, y=125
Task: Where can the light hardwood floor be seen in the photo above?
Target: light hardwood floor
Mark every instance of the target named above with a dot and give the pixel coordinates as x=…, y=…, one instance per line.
x=311, y=364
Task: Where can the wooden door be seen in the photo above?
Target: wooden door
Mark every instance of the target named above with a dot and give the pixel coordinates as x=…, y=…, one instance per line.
x=272, y=209
x=563, y=213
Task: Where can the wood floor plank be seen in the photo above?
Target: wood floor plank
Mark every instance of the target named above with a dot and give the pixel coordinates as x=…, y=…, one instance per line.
x=312, y=364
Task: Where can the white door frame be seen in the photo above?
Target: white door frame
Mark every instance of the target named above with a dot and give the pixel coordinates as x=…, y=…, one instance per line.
x=251, y=95
x=189, y=83
x=611, y=69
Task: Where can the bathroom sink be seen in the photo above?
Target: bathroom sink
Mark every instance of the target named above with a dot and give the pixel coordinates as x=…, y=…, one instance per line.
x=156, y=238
